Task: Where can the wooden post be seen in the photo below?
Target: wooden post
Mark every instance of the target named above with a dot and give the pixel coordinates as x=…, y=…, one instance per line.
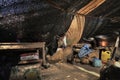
x=44, y=55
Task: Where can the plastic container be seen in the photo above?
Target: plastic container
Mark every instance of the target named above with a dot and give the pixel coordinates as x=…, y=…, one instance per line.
x=105, y=56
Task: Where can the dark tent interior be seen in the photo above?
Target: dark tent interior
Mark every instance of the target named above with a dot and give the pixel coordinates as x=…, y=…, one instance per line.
x=42, y=20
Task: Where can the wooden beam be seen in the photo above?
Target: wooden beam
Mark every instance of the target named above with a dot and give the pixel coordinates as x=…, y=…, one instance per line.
x=35, y=45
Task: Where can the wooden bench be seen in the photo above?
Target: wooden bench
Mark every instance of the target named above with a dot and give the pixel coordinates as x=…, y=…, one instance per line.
x=25, y=46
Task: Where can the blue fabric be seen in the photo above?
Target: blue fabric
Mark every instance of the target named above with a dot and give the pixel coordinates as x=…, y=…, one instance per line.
x=84, y=51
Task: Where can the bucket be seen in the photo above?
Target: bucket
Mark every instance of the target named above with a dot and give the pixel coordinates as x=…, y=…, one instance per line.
x=105, y=56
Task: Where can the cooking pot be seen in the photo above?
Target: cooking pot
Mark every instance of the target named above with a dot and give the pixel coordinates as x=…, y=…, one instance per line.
x=102, y=40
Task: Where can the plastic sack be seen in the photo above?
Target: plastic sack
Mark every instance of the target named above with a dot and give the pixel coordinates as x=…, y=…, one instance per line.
x=97, y=62
x=84, y=51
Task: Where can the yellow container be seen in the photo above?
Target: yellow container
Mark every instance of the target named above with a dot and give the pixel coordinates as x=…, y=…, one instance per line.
x=105, y=56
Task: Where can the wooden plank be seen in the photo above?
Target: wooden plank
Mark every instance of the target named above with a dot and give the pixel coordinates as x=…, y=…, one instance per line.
x=35, y=45
x=30, y=61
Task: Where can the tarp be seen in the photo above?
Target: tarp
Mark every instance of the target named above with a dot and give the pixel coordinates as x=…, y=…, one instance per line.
x=40, y=20
x=36, y=20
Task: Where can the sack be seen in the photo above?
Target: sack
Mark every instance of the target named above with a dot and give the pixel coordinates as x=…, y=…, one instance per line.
x=97, y=62
x=84, y=51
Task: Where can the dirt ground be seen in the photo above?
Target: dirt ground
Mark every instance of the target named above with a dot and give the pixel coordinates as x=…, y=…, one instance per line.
x=64, y=71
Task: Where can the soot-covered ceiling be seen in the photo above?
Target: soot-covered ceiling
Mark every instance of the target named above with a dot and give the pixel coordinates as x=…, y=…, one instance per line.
x=37, y=20
x=103, y=20
x=110, y=12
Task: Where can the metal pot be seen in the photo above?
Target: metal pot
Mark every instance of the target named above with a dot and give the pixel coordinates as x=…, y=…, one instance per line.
x=102, y=40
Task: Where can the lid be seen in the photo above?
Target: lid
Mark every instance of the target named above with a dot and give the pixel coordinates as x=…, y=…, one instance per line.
x=102, y=37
